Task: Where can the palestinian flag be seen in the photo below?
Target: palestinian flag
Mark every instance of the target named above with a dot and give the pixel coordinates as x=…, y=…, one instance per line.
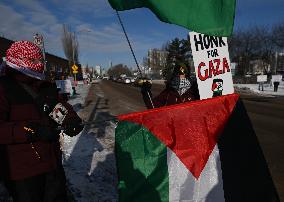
x=199, y=151
x=206, y=16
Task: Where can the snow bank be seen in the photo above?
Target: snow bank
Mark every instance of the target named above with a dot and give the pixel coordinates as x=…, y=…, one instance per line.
x=88, y=158
x=268, y=90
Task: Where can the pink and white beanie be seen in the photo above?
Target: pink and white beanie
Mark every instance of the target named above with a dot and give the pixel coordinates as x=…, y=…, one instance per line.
x=27, y=58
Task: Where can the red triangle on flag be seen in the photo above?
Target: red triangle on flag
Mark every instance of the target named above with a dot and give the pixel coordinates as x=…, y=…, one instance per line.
x=190, y=130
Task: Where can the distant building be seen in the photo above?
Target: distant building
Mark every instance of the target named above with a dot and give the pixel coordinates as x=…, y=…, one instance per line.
x=98, y=70
x=56, y=67
x=279, y=60
x=233, y=68
x=104, y=72
x=157, y=60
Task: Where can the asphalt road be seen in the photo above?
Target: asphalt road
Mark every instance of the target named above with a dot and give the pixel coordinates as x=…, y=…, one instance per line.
x=266, y=114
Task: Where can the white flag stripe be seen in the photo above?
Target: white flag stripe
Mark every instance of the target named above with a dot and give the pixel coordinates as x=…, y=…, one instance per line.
x=184, y=187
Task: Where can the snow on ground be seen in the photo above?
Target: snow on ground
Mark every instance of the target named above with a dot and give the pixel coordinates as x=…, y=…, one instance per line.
x=78, y=100
x=88, y=159
x=268, y=90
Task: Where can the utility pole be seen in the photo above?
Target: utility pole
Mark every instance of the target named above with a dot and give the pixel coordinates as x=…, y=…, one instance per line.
x=73, y=48
x=38, y=40
x=276, y=57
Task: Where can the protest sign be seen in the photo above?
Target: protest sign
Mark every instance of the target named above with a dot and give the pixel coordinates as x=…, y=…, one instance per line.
x=212, y=65
x=261, y=78
x=65, y=86
x=276, y=78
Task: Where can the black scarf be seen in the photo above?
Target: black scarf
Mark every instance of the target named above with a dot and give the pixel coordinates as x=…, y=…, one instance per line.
x=180, y=85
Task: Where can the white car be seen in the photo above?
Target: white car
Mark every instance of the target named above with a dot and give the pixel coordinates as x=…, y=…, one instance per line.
x=95, y=81
x=127, y=80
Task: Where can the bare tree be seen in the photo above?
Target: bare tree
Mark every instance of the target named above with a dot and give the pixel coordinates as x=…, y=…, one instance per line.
x=278, y=35
x=75, y=48
x=70, y=45
x=243, y=48
x=265, y=48
x=254, y=43
x=156, y=60
x=118, y=70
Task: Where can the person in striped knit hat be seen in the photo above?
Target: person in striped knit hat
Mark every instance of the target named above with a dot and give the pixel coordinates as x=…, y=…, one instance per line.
x=32, y=115
x=26, y=57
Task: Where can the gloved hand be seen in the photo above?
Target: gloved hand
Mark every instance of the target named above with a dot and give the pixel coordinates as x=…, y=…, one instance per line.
x=72, y=126
x=146, y=86
x=36, y=132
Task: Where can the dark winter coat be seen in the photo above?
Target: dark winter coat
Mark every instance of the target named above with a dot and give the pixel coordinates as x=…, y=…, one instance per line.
x=18, y=160
x=170, y=96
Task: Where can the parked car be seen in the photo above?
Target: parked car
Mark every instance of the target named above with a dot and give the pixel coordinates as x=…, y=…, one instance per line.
x=132, y=80
x=127, y=80
x=95, y=81
x=139, y=81
x=112, y=78
x=120, y=80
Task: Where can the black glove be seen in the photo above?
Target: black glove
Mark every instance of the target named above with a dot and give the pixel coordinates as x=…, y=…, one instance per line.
x=46, y=99
x=146, y=86
x=72, y=126
x=36, y=132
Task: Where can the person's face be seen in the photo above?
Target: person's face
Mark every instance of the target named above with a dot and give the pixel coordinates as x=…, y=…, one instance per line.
x=181, y=72
x=182, y=76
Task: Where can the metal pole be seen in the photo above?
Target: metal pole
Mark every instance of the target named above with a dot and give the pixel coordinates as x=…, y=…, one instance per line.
x=44, y=58
x=129, y=43
x=276, y=55
x=120, y=21
x=38, y=40
x=73, y=48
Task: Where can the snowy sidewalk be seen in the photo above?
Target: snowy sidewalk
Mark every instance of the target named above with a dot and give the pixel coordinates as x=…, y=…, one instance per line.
x=89, y=160
x=267, y=89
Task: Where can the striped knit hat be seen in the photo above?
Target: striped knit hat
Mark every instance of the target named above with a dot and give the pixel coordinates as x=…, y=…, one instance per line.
x=27, y=58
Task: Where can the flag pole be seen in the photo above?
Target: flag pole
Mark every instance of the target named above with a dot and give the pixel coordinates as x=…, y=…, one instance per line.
x=129, y=44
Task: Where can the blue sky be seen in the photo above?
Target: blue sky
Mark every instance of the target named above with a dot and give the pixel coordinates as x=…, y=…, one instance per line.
x=104, y=41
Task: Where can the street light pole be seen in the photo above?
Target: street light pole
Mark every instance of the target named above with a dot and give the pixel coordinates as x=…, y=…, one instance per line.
x=74, y=41
x=276, y=55
x=38, y=40
x=74, y=45
x=73, y=48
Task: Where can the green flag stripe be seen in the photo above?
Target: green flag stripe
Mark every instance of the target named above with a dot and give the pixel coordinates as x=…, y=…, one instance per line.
x=141, y=164
x=207, y=16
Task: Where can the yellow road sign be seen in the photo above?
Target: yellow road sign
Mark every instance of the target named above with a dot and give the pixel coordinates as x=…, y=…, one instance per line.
x=75, y=72
x=74, y=68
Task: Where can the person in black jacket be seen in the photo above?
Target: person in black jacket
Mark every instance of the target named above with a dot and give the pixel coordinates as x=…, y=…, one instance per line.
x=179, y=89
x=32, y=115
x=276, y=84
